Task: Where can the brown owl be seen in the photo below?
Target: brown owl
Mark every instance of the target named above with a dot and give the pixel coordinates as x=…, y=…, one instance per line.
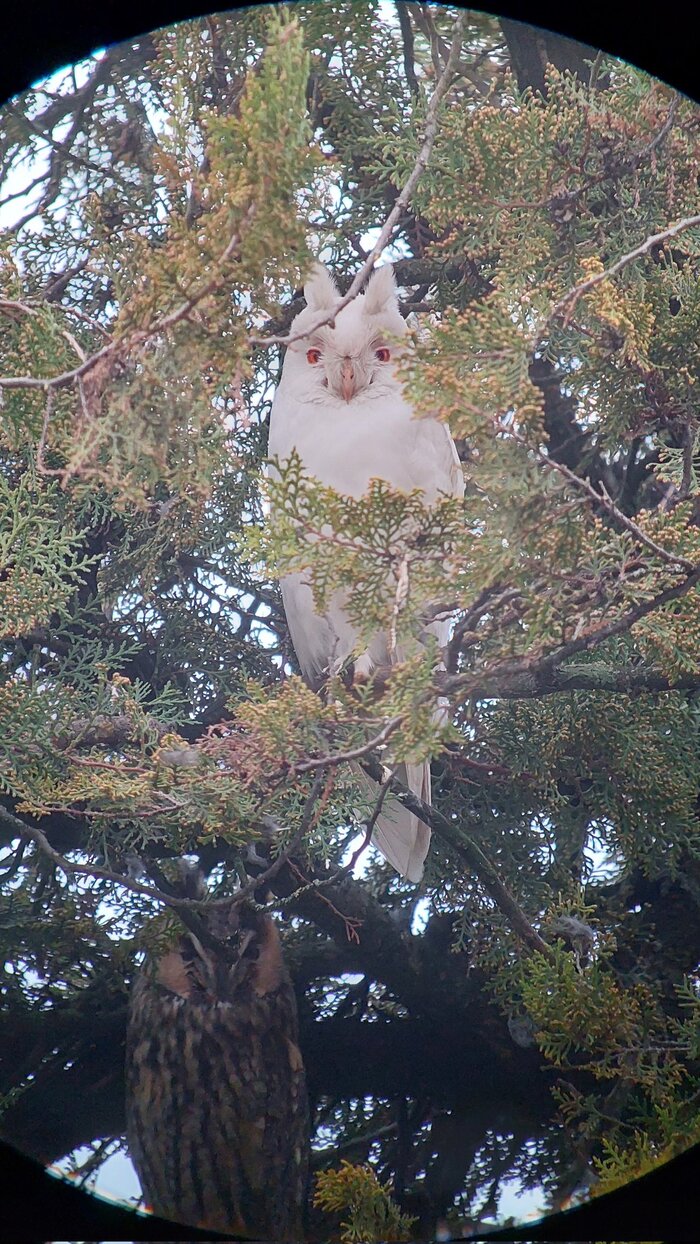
x=217, y=1113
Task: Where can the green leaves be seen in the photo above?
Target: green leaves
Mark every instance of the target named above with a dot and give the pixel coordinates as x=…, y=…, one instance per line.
x=150, y=409
x=146, y=704
x=387, y=550
x=373, y=1215
x=40, y=558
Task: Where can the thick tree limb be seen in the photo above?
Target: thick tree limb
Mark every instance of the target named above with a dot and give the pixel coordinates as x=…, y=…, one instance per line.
x=508, y=678
x=71, y=1105
x=533, y=49
x=528, y=684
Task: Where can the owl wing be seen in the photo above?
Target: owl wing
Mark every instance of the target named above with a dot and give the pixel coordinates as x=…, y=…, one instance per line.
x=434, y=459
x=321, y=643
x=431, y=462
x=456, y=474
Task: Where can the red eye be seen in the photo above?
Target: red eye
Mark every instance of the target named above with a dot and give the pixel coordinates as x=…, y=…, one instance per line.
x=383, y=354
x=313, y=356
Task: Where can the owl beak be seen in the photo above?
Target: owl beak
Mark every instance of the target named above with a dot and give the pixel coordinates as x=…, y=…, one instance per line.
x=347, y=379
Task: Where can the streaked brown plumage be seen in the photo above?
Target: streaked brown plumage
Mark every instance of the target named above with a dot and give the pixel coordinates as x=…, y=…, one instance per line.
x=217, y=1114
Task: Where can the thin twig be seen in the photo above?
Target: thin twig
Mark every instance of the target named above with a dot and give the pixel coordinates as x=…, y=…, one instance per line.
x=357, y=753
x=486, y=602
x=10, y=867
x=137, y=338
x=658, y=138
x=305, y=823
x=369, y=828
x=339, y=874
x=585, y=642
x=470, y=853
x=86, y=319
x=22, y=829
x=604, y=499
x=568, y=302
x=351, y=924
x=530, y=676
x=402, y=201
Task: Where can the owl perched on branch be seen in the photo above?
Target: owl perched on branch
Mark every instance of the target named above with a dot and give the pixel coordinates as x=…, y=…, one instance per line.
x=217, y=1113
x=341, y=406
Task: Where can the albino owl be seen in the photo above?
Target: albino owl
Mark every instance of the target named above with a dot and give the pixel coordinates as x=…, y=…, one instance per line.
x=340, y=405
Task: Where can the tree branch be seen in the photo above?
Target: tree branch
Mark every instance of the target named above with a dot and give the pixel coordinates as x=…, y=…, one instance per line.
x=23, y=830
x=141, y=335
x=469, y=852
x=566, y=304
x=408, y=50
x=605, y=500
x=339, y=758
x=402, y=201
x=534, y=674
x=531, y=684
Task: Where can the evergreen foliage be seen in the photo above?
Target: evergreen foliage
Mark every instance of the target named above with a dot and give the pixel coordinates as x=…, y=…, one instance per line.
x=532, y=1011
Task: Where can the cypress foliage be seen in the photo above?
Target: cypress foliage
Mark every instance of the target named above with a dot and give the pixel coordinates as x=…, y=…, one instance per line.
x=149, y=709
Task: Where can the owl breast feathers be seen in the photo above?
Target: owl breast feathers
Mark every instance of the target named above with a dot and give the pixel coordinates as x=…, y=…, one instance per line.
x=216, y=1105
x=341, y=406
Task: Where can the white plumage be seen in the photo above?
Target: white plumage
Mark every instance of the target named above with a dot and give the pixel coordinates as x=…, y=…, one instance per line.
x=340, y=405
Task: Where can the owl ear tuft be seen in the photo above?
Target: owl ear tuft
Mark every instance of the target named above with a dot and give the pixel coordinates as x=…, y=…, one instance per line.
x=320, y=290
x=381, y=291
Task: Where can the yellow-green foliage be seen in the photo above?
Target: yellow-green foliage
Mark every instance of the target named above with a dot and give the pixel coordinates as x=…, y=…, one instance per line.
x=550, y=183
x=619, y=1165
x=152, y=415
x=636, y=781
x=148, y=701
x=367, y=546
x=40, y=562
x=584, y=1012
x=372, y=1216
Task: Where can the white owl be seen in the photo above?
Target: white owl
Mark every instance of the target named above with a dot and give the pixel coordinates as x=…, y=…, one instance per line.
x=340, y=405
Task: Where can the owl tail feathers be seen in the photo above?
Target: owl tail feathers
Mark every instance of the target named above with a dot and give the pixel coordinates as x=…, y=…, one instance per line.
x=402, y=839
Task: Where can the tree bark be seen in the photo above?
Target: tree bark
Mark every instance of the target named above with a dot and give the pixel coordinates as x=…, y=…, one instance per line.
x=532, y=49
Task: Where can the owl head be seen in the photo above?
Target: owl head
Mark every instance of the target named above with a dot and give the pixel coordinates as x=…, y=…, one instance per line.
x=353, y=360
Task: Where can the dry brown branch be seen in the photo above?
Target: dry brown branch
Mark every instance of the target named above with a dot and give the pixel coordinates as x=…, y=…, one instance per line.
x=351, y=924
x=338, y=874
